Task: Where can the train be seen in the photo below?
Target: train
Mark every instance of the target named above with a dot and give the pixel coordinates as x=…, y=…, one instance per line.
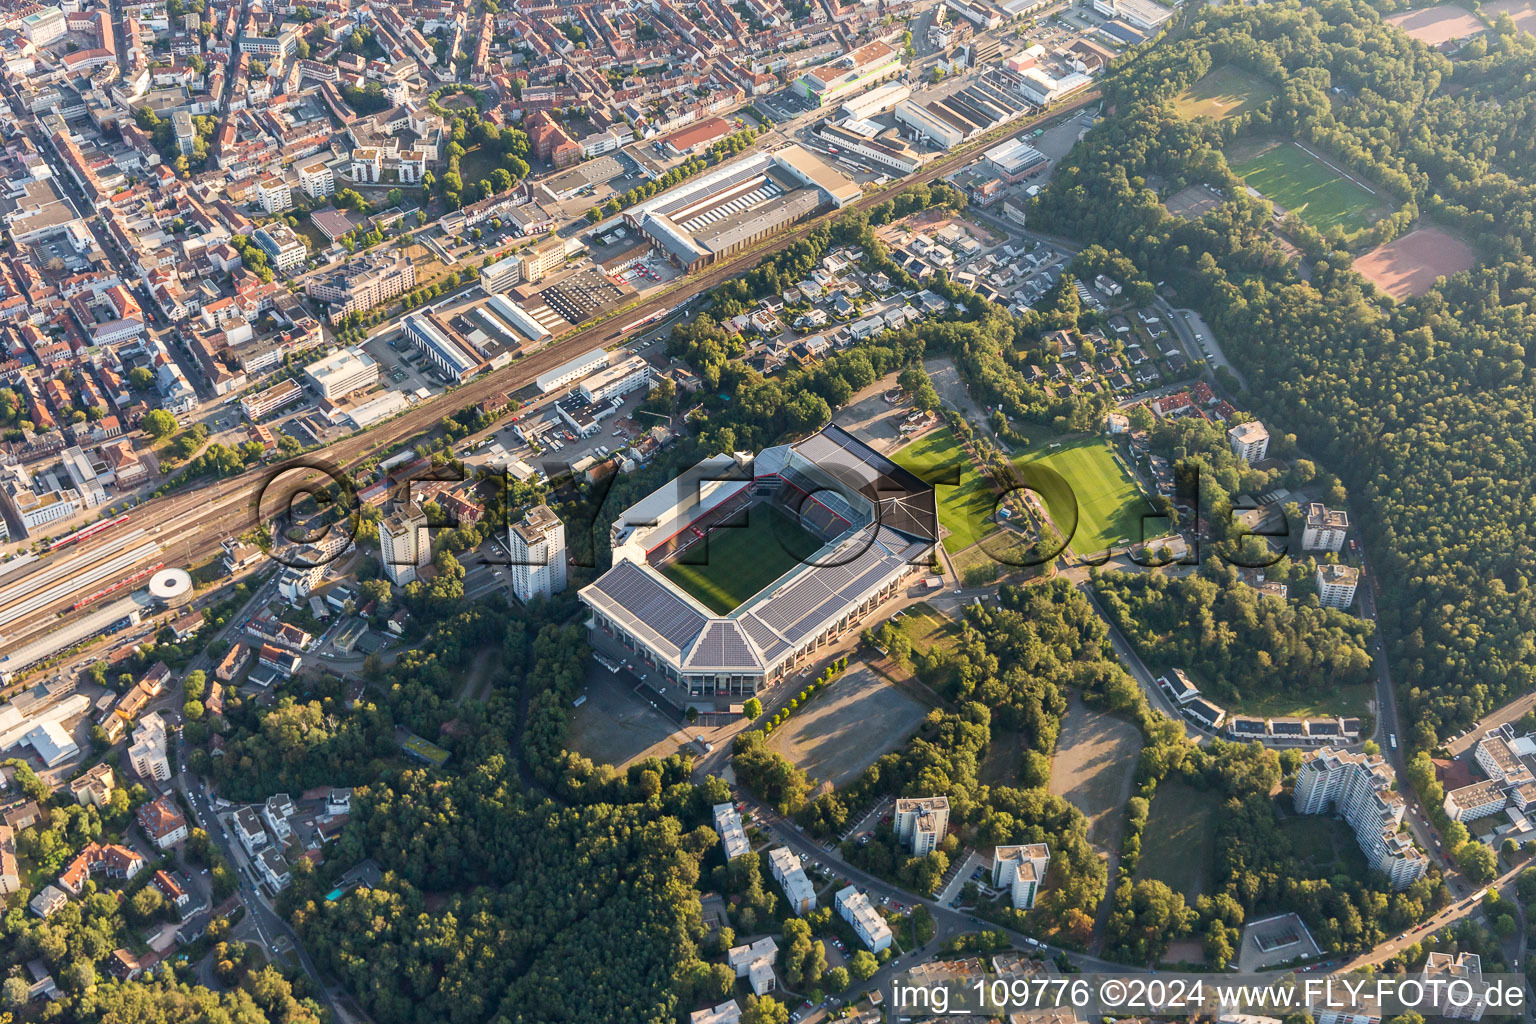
x=86, y=532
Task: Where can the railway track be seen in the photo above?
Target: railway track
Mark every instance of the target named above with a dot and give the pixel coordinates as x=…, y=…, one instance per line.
x=192, y=524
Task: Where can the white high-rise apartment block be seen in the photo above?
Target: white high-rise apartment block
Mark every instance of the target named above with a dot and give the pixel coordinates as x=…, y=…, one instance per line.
x=870, y=927
x=538, y=554
x=1336, y=585
x=1250, y=441
x=1324, y=529
x=1359, y=788
x=148, y=752
x=1021, y=870
x=921, y=822
x=404, y=544
x=317, y=180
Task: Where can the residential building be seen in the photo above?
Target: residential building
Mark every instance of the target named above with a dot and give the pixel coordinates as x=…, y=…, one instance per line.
x=1324, y=529
x=272, y=869
x=285, y=250
x=49, y=901
x=538, y=554
x=1336, y=585
x=727, y=1012
x=921, y=822
x=274, y=194
x=316, y=180
x=868, y=925
x=1020, y=870
x=276, y=812
x=10, y=870
x=755, y=963
x=249, y=830
x=1475, y=801
x=1454, y=984
x=1496, y=755
x=148, y=752
x=95, y=786
x=1359, y=788
x=404, y=544
x=118, y=863
x=1249, y=440
x=162, y=822
x=733, y=837
x=362, y=284
x=787, y=871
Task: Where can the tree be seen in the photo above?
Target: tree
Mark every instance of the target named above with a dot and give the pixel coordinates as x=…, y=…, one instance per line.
x=764, y=1010
x=837, y=979
x=863, y=965
x=1477, y=861
x=195, y=685
x=752, y=708
x=158, y=423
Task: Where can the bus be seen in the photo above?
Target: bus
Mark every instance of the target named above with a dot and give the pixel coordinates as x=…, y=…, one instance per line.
x=1393, y=738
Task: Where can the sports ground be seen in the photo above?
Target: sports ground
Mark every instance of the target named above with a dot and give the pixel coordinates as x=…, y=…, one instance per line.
x=1306, y=186
x=965, y=497
x=741, y=558
x=1225, y=92
x=1109, y=506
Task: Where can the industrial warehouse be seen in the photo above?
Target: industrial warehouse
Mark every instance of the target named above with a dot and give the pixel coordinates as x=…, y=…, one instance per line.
x=720, y=213
x=835, y=528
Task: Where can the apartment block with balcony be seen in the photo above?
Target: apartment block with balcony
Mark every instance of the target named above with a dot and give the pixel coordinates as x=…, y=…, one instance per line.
x=920, y=822
x=1361, y=789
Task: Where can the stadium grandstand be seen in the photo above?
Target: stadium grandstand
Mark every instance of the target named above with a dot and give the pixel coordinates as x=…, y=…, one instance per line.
x=735, y=573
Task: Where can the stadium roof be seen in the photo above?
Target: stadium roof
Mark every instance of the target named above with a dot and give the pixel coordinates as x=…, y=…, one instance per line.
x=800, y=604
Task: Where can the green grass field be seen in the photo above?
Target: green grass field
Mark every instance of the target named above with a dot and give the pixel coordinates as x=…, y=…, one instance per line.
x=1307, y=187
x=964, y=510
x=741, y=560
x=1225, y=92
x=1346, y=701
x=1178, y=844
x=1110, y=506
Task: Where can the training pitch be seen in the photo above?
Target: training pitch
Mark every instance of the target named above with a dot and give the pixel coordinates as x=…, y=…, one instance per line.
x=1407, y=267
x=741, y=557
x=1302, y=184
x=1225, y=92
x=1110, y=507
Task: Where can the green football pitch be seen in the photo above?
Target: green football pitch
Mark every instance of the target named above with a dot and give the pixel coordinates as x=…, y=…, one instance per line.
x=741, y=558
x=965, y=498
x=1110, y=506
x=1309, y=188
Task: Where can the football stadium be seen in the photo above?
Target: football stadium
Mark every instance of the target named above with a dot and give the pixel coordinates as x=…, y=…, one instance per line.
x=731, y=576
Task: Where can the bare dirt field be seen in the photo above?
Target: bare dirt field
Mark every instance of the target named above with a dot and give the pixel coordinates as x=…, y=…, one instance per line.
x=846, y=727
x=1095, y=767
x=1192, y=202
x=1436, y=25
x=1408, y=266
x=1523, y=12
x=617, y=725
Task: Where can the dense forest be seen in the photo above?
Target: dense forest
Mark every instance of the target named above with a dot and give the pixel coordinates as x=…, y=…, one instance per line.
x=1424, y=406
x=1235, y=642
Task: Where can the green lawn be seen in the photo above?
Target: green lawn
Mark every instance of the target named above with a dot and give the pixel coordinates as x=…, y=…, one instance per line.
x=966, y=505
x=1109, y=505
x=929, y=628
x=1178, y=844
x=1344, y=701
x=1308, y=188
x=1225, y=92
x=741, y=558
